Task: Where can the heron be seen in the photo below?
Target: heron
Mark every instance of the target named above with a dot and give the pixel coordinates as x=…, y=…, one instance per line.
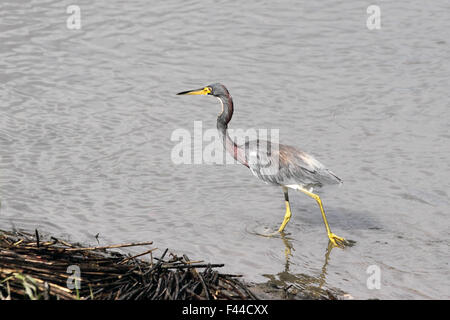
x=274, y=163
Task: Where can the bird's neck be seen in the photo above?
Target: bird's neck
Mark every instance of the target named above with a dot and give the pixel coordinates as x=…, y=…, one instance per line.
x=227, y=110
x=222, y=126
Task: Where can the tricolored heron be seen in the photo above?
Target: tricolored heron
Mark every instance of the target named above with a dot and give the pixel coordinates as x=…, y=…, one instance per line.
x=295, y=169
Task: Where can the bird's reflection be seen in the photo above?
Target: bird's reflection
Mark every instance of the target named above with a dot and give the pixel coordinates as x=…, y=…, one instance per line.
x=302, y=285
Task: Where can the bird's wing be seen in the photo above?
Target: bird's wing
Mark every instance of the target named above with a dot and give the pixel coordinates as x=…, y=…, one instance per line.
x=281, y=164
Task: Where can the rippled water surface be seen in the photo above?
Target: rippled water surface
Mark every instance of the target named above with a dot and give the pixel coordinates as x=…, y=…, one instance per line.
x=86, y=118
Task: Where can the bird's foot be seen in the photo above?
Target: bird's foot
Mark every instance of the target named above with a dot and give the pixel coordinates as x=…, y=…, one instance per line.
x=338, y=241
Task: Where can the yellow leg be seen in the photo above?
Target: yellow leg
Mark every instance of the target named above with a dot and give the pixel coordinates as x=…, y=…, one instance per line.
x=334, y=239
x=288, y=214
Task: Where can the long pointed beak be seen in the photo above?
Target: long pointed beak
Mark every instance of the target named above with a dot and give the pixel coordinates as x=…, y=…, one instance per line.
x=203, y=91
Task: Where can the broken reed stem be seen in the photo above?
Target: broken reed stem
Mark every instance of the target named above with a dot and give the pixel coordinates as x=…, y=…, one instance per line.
x=138, y=255
x=188, y=265
x=115, y=246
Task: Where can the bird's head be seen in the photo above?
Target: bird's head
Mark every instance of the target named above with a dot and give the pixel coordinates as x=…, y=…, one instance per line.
x=215, y=89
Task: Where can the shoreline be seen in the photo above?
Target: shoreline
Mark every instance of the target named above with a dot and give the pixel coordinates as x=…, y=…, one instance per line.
x=37, y=267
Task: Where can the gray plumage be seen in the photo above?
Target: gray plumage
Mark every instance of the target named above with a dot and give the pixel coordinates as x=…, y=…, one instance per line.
x=285, y=165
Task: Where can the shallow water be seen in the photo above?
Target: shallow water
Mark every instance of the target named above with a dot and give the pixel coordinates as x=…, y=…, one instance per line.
x=86, y=118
